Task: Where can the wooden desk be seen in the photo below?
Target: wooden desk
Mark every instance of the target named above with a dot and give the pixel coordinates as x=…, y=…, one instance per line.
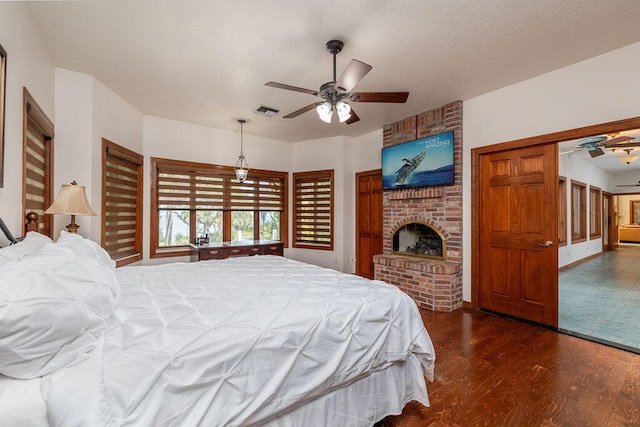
x=222, y=250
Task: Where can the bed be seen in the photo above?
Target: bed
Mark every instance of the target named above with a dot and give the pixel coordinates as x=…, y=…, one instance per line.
x=259, y=340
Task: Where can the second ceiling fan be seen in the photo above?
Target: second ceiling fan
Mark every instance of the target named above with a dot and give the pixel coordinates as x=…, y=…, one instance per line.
x=336, y=92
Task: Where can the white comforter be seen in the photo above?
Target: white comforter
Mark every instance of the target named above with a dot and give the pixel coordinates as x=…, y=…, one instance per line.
x=243, y=340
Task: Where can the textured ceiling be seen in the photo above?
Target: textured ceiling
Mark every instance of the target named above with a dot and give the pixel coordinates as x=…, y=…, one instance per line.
x=206, y=61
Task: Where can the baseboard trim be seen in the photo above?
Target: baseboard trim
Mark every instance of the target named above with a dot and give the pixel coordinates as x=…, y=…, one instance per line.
x=580, y=261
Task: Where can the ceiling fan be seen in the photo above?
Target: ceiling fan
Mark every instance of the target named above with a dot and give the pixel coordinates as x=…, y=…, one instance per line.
x=337, y=92
x=595, y=144
x=630, y=185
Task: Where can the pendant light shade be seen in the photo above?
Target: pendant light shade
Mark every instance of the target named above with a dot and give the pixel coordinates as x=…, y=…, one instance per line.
x=629, y=157
x=242, y=168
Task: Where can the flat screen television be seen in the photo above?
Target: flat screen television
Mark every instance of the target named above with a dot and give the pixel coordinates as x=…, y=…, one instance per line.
x=419, y=163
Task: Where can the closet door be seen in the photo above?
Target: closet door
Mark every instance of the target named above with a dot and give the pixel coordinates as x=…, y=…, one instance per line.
x=368, y=221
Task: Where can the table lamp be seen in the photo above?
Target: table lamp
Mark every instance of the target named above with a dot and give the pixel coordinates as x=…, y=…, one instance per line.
x=71, y=200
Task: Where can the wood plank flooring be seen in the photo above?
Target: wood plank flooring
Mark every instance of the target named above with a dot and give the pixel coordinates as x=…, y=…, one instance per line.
x=493, y=371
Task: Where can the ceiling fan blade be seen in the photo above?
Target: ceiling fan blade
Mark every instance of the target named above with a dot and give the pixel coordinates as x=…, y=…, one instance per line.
x=354, y=118
x=350, y=77
x=293, y=88
x=616, y=140
x=302, y=110
x=596, y=152
x=397, y=97
x=633, y=146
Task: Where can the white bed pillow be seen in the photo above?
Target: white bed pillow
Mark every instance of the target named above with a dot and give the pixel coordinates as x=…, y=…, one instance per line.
x=87, y=246
x=54, y=305
x=31, y=244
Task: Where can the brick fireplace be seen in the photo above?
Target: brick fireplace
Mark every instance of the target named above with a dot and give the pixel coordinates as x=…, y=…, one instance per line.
x=434, y=282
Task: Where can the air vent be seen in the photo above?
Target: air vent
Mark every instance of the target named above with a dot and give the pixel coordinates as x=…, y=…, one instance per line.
x=266, y=111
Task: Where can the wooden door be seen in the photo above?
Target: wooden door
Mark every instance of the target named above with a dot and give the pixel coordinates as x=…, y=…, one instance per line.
x=368, y=221
x=518, y=233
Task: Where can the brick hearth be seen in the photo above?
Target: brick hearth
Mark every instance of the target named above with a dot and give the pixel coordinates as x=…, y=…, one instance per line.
x=433, y=284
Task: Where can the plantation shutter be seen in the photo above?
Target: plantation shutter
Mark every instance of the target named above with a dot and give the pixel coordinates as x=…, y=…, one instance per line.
x=182, y=188
x=37, y=167
x=122, y=203
x=313, y=209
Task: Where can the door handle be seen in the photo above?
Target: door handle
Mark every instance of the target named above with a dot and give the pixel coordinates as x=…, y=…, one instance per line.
x=546, y=244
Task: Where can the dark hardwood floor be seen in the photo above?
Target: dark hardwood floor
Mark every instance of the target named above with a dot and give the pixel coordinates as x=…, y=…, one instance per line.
x=494, y=371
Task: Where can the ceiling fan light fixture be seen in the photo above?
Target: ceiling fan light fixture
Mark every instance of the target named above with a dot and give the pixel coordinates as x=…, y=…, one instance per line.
x=325, y=111
x=628, y=159
x=344, y=111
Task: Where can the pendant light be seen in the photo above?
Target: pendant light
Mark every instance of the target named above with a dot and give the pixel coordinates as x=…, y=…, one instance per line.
x=628, y=158
x=242, y=168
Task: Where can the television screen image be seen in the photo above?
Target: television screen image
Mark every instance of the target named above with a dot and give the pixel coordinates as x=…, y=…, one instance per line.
x=419, y=163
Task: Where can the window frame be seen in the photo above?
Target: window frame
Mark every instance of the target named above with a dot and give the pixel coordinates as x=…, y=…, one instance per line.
x=595, y=212
x=32, y=111
x=112, y=149
x=562, y=211
x=157, y=251
x=578, y=212
x=315, y=177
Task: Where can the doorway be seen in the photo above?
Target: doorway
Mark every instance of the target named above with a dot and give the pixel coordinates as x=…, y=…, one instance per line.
x=481, y=217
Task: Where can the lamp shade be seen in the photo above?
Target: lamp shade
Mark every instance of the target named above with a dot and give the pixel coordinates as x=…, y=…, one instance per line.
x=71, y=200
x=344, y=111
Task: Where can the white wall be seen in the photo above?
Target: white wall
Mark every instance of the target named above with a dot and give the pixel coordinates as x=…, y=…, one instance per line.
x=72, y=150
x=590, y=92
x=88, y=111
x=361, y=154
x=28, y=65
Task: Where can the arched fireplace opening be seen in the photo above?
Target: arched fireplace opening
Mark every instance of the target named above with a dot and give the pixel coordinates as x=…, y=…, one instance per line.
x=419, y=239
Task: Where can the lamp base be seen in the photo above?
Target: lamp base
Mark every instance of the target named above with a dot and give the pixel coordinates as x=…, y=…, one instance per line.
x=73, y=227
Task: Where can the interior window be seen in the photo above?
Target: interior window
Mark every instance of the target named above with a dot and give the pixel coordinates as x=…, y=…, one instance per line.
x=578, y=211
x=595, y=212
x=562, y=211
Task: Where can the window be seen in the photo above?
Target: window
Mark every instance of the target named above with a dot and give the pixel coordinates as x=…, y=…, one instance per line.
x=190, y=200
x=313, y=210
x=121, y=203
x=578, y=212
x=595, y=212
x=38, y=163
x=562, y=211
